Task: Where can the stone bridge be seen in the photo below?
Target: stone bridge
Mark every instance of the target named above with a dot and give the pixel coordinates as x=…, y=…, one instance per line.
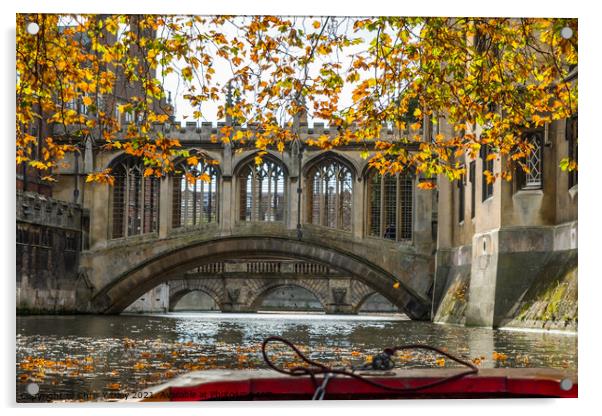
x=326, y=207
x=250, y=285
x=246, y=293
x=124, y=270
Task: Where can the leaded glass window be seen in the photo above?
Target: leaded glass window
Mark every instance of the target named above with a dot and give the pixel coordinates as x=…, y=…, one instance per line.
x=390, y=201
x=331, y=195
x=487, y=164
x=195, y=201
x=135, y=200
x=534, y=175
x=262, y=193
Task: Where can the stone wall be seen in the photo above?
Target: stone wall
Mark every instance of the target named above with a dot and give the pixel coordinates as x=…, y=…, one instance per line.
x=515, y=276
x=49, y=241
x=453, y=277
x=155, y=300
x=552, y=301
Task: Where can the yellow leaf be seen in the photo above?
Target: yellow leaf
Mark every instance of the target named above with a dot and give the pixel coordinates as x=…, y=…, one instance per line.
x=87, y=100
x=396, y=285
x=417, y=113
x=316, y=24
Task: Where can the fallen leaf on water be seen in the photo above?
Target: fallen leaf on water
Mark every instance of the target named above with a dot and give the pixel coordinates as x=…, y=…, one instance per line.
x=139, y=366
x=441, y=362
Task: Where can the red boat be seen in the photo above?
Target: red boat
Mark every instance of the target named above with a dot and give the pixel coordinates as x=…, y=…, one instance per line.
x=377, y=380
x=267, y=385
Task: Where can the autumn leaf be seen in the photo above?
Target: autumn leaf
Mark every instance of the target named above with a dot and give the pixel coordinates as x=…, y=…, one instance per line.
x=192, y=161
x=270, y=58
x=427, y=185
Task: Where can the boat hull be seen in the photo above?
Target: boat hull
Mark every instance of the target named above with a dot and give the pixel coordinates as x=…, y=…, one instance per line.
x=225, y=385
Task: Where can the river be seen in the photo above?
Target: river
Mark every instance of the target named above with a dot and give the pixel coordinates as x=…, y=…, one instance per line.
x=89, y=358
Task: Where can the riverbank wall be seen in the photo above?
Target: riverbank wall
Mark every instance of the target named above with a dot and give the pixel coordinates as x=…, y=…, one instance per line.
x=529, y=280
x=50, y=236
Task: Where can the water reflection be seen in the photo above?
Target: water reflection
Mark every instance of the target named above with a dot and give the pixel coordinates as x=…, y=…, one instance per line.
x=92, y=357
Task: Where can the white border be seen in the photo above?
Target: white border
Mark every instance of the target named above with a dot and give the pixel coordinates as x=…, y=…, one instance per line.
x=590, y=277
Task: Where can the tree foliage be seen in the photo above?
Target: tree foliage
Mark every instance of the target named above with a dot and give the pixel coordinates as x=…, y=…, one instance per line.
x=487, y=79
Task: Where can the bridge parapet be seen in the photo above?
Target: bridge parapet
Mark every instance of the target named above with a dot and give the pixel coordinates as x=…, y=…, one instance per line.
x=399, y=260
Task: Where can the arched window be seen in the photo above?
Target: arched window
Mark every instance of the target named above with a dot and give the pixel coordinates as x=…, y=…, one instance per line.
x=330, y=196
x=390, y=202
x=194, y=202
x=262, y=191
x=135, y=200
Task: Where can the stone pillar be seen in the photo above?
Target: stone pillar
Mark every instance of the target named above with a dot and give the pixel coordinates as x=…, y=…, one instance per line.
x=423, y=217
x=97, y=199
x=340, y=293
x=358, y=208
x=165, y=206
x=293, y=197
x=293, y=185
x=227, y=204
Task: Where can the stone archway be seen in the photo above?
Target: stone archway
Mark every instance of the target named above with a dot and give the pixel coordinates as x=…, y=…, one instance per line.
x=364, y=302
x=178, y=296
x=180, y=288
x=170, y=265
x=267, y=289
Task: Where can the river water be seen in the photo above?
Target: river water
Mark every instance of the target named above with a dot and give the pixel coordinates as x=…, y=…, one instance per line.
x=83, y=358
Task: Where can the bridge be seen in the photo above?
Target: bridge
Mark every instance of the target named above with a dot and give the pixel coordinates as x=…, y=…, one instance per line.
x=302, y=206
x=252, y=285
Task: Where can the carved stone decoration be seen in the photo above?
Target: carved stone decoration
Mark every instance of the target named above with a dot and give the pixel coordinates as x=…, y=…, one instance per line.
x=339, y=294
x=233, y=295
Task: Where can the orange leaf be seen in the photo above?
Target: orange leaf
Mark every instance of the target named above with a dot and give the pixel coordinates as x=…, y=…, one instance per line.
x=427, y=185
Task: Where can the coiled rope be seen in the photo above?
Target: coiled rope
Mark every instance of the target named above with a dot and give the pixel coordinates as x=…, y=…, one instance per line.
x=384, y=361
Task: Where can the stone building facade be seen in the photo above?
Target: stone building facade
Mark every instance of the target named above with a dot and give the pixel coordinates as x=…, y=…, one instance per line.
x=480, y=255
x=507, y=251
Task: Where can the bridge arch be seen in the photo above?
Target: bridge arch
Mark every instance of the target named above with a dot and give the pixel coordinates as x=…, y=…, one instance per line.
x=330, y=155
x=176, y=297
x=364, y=300
x=170, y=265
x=180, y=288
x=244, y=160
x=269, y=288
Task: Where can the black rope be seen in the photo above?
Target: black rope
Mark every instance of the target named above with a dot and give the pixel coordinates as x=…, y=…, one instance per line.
x=323, y=369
